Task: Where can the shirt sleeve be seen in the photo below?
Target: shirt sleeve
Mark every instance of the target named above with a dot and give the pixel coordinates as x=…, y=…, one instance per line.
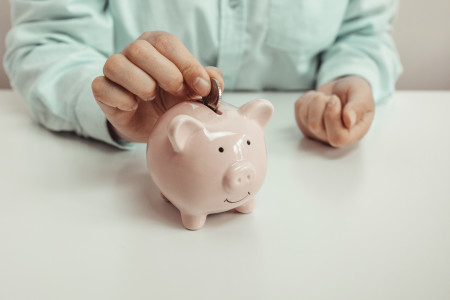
x=364, y=47
x=54, y=51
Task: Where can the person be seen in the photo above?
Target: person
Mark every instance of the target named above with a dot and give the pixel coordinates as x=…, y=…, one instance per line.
x=154, y=54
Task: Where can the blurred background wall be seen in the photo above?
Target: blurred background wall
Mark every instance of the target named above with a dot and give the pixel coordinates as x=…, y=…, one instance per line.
x=422, y=35
x=421, y=31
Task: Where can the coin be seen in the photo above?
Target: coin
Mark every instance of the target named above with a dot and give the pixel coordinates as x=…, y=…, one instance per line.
x=214, y=96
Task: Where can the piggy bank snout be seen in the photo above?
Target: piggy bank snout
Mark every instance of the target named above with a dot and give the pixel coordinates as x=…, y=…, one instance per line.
x=239, y=177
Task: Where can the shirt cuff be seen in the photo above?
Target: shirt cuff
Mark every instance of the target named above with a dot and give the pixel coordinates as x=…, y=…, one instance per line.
x=350, y=65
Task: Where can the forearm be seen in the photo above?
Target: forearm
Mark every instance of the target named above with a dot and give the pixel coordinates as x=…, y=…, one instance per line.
x=364, y=48
x=52, y=58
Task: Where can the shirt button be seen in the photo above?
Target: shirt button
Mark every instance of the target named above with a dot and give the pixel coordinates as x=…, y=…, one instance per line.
x=233, y=3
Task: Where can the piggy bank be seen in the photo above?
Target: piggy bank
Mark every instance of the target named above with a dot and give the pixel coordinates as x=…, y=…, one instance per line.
x=207, y=162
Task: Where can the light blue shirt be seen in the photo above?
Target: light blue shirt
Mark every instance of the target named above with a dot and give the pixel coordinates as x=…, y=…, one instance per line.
x=56, y=48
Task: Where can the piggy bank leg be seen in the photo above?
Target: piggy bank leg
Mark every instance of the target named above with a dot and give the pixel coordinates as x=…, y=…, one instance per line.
x=193, y=222
x=247, y=207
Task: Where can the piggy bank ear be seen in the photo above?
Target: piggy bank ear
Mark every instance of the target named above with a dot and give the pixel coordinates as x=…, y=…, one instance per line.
x=260, y=110
x=181, y=129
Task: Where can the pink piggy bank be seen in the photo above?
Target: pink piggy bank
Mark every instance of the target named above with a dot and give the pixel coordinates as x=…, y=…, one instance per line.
x=205, y=162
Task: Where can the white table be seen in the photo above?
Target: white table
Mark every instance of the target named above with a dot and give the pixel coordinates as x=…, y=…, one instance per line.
x=82, y=220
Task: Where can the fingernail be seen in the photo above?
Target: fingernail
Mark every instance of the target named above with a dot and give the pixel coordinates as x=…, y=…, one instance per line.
x=352, y=117
x=151, y=98
x=181, y=90
x=201, y=86
x=129, y=107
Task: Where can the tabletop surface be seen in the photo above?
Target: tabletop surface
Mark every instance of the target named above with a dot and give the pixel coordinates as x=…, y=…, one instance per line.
x=82, y=220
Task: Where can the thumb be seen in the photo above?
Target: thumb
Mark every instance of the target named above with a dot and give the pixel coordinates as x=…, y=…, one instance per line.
x=216, y=74
x=357, y=106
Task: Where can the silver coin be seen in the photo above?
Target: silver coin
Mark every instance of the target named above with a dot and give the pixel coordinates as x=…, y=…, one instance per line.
x=214, y=96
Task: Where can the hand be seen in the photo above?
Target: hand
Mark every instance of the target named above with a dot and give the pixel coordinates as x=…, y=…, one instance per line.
x=338, y=113
x=148, y=77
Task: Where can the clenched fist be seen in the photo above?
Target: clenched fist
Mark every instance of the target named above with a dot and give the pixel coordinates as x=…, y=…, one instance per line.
x=148, y=77
x=338, y=113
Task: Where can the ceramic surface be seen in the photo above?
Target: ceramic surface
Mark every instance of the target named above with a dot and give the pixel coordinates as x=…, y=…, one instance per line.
x=205, y=162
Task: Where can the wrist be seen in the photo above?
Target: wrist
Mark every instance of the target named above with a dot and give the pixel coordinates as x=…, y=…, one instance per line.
x=115, y=135
x=348, y=81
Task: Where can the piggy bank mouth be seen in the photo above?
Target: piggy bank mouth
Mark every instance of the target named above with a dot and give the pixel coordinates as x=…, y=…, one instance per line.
x=226, y=200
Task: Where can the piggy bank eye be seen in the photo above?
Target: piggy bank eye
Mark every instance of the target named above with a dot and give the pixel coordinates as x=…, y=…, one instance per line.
x=221, y=149
x=248, y=142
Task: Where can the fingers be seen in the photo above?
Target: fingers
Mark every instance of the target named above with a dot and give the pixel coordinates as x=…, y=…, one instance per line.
x=301, y=113
x=217, y=74
x=112, y=96
x=121, y=109
x=337, y=133
x=356, y=96
x=320, y=117
x=143, y=55
x=359, y=107
x=314, y=120
x=360, y=102
x=118, y=104
x=309, y=114
x=349, y=112
x=123, y=72
x=155, y=67
x=166, y=60
x=169, y=46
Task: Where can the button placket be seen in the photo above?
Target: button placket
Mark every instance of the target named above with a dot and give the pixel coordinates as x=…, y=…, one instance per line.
x=233, y=3
x=232, y=38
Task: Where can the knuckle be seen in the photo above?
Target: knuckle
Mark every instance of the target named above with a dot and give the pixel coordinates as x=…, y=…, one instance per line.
x=164, y=41
x=310, y=94
x=98, y=86
x=146, y=35
x=215, y=70
x=112, y=64
x=190, y=70
x=148, y=92
x=313, y=124
x=303, y=111
x=306, y=98
x=322, y=99
x=136, y=48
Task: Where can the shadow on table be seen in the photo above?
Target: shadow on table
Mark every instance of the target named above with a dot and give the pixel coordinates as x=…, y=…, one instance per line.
x=324, y=150
x=286, y=139
x=124, y=175
x=145, y=195
x=148, y=202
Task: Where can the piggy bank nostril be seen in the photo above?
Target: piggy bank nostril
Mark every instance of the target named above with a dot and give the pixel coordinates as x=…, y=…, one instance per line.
x=239, y=177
